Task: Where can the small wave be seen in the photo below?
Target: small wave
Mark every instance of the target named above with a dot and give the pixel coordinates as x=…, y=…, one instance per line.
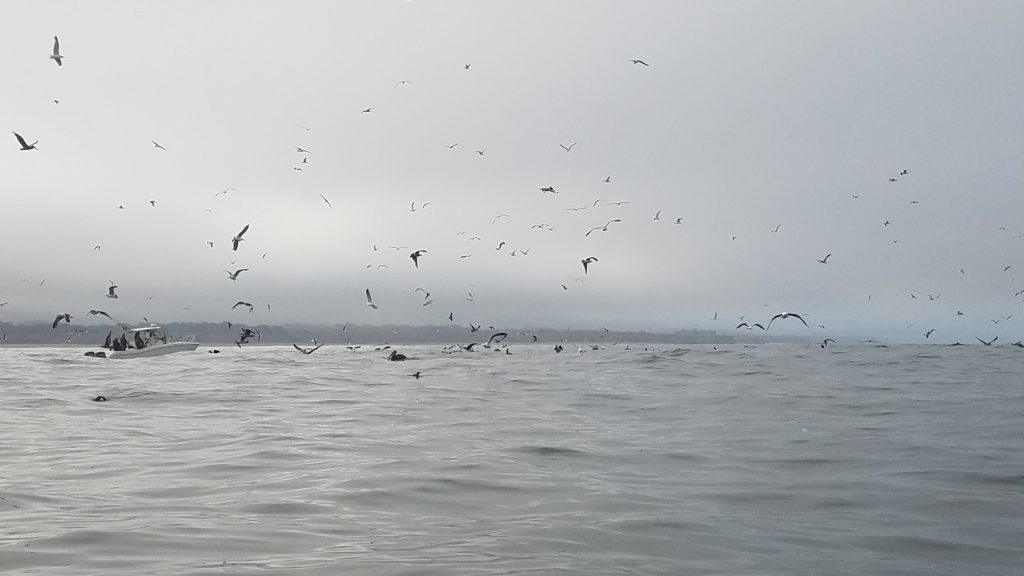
x=551, y=451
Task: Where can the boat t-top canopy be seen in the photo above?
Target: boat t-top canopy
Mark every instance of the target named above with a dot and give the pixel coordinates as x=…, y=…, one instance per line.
x=146, y=329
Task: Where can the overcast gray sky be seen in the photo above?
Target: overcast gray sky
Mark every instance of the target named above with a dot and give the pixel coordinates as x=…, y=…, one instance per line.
x=750, y=115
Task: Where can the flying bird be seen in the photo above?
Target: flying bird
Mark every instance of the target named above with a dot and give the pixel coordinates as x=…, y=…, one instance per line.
x=748, y=326
x=99, y=312
x=65, y=317
x=586, y=262
x=602, y=228
x=825, y=259
x=110, y=291
x=369, y=300
x=240, y=303
x=25, y=145
x=155, y=145
x=567, y=148
x=367, y=110
x=56, y=57
x=234, y=275
x=929, y=333
x=303, y=150
x=308, y=350
x=550, y=189
x=416, y=257
x=783, y=316
x=326, y=201
x=635, y=61
x=238, y=238
x=989, y=343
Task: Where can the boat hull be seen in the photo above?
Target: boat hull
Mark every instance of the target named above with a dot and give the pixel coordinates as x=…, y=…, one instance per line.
x=154, y=350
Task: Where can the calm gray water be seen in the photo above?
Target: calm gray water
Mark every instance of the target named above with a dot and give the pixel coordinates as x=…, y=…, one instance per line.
x=768, y=460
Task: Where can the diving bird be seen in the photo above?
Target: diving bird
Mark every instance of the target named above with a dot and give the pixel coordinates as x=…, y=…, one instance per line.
x=234, y=275
x=238, y=238
x=110, y=291
x=56, y=57
x=783, y=316
x=369, y=300
x=25, y=145
x=308, y=350
x=496, y=338
x=65, y=317
x=602, y=228
x=586, y=262
x=416, y=257
x=989, y=343
x=825, y=259
x=240, y=303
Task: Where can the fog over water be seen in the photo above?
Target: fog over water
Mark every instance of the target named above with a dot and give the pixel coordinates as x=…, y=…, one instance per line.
x=769, y=131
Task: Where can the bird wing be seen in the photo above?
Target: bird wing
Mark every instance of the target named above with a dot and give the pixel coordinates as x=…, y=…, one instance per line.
x=759, y=326
x=773, y=320
x=368, y=298
x=20, y=140
x=741, y=325
x=797, y=316
x=239, y=235
x=57, y=320
x=237, y=304
x=56, y=46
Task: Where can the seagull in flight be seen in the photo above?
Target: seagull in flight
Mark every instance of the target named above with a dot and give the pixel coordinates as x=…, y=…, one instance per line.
x=238, y=238
x=99, y=312
x=110, y=291
x=550, y=189
x=602, y=228
x=587, y=261
x=567, y=148
x=308, y=351
x=25, y=145
x=303, y=150
x=65, y=317
x=451, y=146
x=326, y=201
x=989, y=343
x=825, y=259
x=783, y=316
x=500, y=216
x=929, y=333
x=156, y=145
x=748, y=326
x=240, y=303
x=56, y=57
x=635, y=61
x=369, y=300
x=416, y=257
x=234, y=275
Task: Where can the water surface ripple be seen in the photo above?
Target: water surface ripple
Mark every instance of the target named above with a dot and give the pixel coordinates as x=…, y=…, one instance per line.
x=736, y=460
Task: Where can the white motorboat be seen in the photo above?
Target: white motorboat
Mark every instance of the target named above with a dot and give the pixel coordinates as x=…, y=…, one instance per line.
x=145, y=342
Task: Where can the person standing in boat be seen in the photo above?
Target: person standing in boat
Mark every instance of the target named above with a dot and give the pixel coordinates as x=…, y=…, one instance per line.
x=139, y=344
